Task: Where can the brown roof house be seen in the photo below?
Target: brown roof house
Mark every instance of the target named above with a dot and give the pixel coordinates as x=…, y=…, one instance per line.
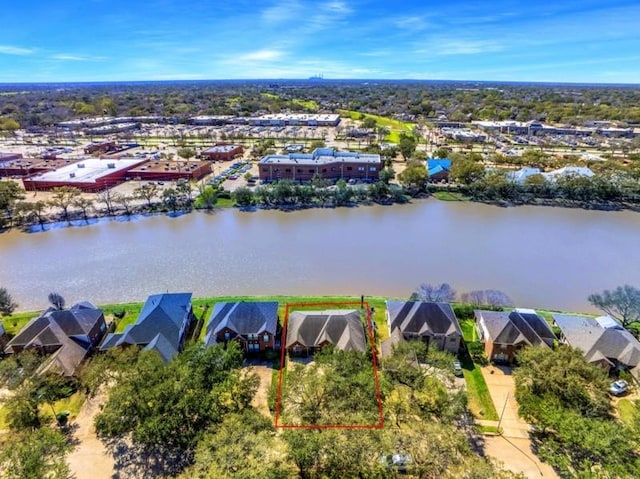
x=505, y=333
x=253, y=323
x=433, y=323
x=602, y=340
x=161, y=326
x=310, y=331
x=67, y=335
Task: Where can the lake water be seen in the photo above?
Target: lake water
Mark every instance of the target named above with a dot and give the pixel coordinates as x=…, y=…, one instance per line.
x=542, y=257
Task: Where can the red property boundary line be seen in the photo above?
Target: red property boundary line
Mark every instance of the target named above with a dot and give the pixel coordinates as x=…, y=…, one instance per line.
x=374, y=360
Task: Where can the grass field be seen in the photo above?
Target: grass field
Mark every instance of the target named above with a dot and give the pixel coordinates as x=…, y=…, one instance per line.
x=469, y=332
x=307, y=104
x=450, y=196
x=480, y=402
x=626, y=411
x=396, y=127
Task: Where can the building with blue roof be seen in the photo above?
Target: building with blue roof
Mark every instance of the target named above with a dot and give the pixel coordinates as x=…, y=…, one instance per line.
x=161, y=326
x=438, y=168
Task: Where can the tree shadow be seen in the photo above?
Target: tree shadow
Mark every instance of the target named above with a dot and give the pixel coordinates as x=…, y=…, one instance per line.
x=131, y=460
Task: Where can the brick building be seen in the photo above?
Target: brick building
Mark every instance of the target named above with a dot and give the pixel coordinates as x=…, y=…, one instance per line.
x=222, y=152
x=324, y=162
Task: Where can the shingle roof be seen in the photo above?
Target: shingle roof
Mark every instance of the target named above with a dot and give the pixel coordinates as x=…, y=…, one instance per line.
x=422, y=318
x=595, y=341
x=343, y=328
x=517, y=326
x=162, y=314
x=58, y=329
x=243, y=318
x=163, y=347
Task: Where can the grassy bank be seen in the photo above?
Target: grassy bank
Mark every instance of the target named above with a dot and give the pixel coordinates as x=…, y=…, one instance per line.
x=396, y=127
x=450, y=196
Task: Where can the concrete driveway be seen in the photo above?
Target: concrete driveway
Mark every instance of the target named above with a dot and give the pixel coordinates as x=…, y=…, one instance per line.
x=513, y=447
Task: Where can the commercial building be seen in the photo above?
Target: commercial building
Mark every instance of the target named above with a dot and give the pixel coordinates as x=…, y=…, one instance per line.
x=23, y=167
x=100, y=147
x=327, y=163
x=170, y=170
x=299, y=119
x=89, y=175
x=222, y=152
x=463, y=135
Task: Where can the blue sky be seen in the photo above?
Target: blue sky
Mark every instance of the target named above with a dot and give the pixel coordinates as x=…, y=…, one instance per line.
x=510, y=40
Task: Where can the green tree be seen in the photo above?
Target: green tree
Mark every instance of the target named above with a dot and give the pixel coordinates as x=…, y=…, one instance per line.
x=186, y=153
x=342, y=194
x=170, y=199
x=208, y=197
x=33, y=211
x=622, y=304
x=243, y=197
x=414, y=177
x=407, y=146
x=10, y=193
x=7, y=304
x=37, y=454
x=466, y=171
x=83, y=204
x=147, y=192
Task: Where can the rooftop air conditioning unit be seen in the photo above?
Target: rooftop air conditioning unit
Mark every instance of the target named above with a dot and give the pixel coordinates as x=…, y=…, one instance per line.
x=72, y=175
x=80, y=165
x=111, y=165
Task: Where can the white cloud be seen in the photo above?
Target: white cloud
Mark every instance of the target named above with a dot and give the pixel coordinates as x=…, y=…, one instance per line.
x=283, y=11
x=11, y=50
x=260, y=56
x=413, y=23
x=462, y=47
x=76, y=58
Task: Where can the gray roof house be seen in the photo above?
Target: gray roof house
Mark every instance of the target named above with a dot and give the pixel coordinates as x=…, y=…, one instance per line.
x=505, y=333
x=308, y=331
x=602, y=340
x=253, y=323
x=67, y=335
x=161, y=326
x=434, y=323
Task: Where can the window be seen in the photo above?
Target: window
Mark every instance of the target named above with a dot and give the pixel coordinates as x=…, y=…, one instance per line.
x=227, y=336
x=349, y=168
x=361, y=168
x=372, y=168
x=333, y=168
x=265, y=338
x=299, y=170
x=265, y=170
x=287, y=170
x=311, y=170
x=252, y=336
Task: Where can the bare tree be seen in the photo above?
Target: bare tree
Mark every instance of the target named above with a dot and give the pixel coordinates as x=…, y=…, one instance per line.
x=440, y=293
x=56, y=300
x=622, y=304
x=146, y=192
x=107, y=197
x=63, y=197
x=487, y=297
x=125, y=202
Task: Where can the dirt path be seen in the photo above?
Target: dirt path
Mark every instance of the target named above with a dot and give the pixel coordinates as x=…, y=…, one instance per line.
x=90, y=459
x=513, y=448
x=260, y=400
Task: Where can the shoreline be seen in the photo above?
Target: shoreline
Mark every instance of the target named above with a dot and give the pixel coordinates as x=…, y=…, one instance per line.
x=76, y=219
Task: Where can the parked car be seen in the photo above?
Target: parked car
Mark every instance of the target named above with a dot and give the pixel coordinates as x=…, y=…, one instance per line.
x=457, y=368
x=619, y=387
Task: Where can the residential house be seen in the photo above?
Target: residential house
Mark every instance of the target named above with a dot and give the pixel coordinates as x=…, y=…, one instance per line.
x=161, y=326
x=253, y=324
x=602, y=340
x=68, y=336
x=505, y=333
x=310, y=331
x=433, y=323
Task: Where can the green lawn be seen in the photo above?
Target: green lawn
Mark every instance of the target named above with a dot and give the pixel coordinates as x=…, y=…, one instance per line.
x=450, y=196
x=16, y=322
x=626, y=411
x=308, y=104
x=396, y=127
x=480, y=402
x=469, y=331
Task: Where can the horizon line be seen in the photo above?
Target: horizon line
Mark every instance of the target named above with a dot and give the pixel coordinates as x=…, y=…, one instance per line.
x=320, y=81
